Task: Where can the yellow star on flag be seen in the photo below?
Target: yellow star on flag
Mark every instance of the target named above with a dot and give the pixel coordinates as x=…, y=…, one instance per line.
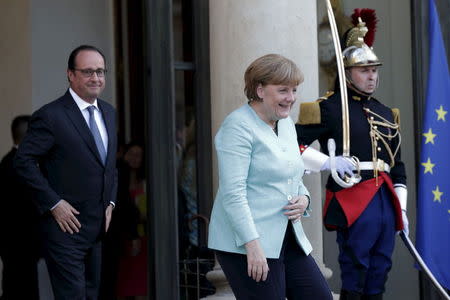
x=429, y=136
x=428, y=166
x=441, y=113
x=437, y=194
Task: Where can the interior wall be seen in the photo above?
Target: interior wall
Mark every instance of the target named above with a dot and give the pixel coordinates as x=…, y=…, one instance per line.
x=15, y=61
x=37, y=38
x=393, y=47
x=57, y=27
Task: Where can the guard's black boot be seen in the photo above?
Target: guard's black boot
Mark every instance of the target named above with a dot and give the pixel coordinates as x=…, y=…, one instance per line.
x=349, y=295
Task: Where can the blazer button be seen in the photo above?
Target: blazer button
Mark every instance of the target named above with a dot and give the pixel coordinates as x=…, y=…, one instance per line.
x=289, y=198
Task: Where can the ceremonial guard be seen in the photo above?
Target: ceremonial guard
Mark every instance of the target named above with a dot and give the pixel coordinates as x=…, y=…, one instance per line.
x=366, y=204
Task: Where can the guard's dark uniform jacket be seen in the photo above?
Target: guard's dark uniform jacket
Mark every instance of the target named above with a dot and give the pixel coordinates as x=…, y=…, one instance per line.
x=322, y=120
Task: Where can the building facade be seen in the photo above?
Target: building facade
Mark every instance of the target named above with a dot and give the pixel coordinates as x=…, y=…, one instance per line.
x=175, y=70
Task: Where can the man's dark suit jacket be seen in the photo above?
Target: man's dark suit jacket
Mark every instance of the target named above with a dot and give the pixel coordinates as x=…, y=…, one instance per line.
x=58, y=159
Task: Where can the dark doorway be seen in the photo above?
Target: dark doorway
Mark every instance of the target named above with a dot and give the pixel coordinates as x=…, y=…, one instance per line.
x=163, y=88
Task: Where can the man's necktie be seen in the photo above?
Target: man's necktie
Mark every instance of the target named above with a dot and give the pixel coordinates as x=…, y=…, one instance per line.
x=96, y=133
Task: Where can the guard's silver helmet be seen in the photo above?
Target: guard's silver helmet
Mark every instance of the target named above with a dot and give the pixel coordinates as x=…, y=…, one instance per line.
x=356, y=52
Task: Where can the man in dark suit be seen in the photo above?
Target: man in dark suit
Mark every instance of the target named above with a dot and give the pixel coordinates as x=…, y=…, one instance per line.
x=18, y=240
x=68, y=160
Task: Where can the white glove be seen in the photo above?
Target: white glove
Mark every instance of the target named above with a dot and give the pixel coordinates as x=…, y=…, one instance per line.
x=343, y=165
x=402, y=195
x=405, y=222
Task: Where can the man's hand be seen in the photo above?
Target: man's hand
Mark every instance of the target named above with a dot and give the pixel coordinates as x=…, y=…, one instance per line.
x=64, y=214
x=108, y=215
x=296, y=207
x=136, y=246
x=257, y=267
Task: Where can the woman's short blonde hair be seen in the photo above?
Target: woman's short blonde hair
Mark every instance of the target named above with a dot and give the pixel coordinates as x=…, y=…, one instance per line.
x=270, y=69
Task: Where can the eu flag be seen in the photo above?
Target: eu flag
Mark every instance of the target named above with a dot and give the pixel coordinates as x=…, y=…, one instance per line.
x=433, y=203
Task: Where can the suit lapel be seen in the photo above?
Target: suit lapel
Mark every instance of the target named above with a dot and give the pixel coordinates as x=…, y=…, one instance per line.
x=75, y=115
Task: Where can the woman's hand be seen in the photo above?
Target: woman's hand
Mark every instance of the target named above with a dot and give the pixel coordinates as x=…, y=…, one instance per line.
x=257, y=267
x=296, y=207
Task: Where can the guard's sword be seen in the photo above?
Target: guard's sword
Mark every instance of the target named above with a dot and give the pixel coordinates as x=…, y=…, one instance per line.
x=344, y=102
x=342, y=81
x=423, y=265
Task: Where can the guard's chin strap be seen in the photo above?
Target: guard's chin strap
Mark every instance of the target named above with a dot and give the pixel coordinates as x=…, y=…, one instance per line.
x=353, y=87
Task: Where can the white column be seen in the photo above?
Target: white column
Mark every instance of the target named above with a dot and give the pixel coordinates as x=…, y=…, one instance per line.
x=240, y=32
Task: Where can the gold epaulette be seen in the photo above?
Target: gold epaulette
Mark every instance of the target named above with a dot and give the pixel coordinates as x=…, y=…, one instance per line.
x=310, y=111
x=327, y=95
x=396, y=114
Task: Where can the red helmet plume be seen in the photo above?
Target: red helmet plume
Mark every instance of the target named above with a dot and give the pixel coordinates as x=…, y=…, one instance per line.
x=368, y=16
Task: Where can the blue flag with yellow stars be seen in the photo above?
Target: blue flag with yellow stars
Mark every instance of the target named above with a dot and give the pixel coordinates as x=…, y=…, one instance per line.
x=433, y=202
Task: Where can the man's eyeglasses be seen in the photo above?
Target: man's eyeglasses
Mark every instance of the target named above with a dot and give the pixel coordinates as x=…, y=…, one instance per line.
x=89, y=72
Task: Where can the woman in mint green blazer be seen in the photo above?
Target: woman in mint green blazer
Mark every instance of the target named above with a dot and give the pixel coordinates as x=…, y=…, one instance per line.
x=255, y=224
